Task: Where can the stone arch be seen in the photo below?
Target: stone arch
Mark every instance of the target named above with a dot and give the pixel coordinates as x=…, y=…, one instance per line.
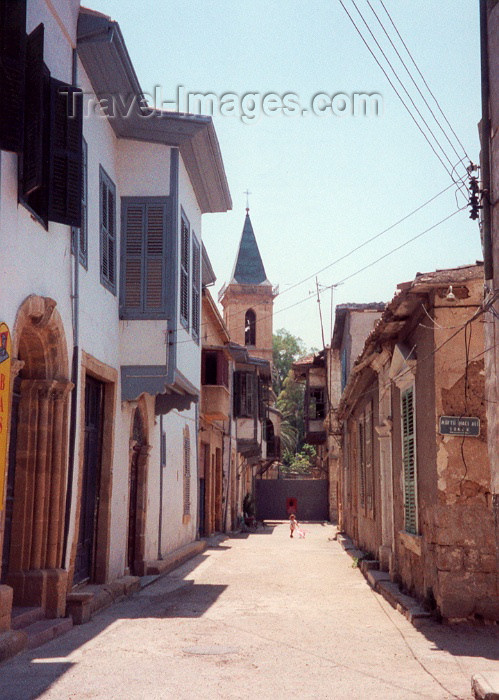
x=40, y=455
x=137, y=488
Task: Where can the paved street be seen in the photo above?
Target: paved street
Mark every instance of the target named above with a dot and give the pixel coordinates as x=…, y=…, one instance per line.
x=260, y=616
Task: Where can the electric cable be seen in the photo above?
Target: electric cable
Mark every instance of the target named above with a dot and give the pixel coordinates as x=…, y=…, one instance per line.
x=424, y=81
x=414, y=82
x=395, y=89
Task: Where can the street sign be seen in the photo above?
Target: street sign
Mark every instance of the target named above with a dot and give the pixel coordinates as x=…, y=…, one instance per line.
x=5, y=358
x=459, y=425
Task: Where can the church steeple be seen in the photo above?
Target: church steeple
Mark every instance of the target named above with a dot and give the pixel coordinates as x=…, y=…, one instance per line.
x=248, y=268
x=248, y=298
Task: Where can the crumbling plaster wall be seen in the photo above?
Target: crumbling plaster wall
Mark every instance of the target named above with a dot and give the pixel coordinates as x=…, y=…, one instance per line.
x=460, y=532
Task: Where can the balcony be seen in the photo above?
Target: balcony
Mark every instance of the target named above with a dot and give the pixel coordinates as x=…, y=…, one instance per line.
x=215, y=402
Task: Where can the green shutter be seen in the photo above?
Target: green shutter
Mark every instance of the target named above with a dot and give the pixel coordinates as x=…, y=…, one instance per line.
x=409, y=461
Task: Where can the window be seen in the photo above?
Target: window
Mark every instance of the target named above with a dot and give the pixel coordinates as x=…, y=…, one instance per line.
x=51, y=164
x=214, y=368
x=143, y=257
x=316, y=404
x=409, y=461
x=344, y=369
x=107, y=232
x=244, y=394
x=365, y=461
x=12, y=73
x=187, y=473
x=80, y=235
x=184, y=270
x=250, y=328
x=196, y=285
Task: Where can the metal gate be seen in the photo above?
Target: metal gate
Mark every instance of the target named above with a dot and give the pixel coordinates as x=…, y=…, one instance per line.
x=310, y=498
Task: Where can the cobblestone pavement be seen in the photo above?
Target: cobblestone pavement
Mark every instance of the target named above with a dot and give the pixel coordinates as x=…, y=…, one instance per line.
x=259, y=616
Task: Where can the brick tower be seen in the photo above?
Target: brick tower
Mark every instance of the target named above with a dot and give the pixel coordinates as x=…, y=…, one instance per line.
x=248, y=299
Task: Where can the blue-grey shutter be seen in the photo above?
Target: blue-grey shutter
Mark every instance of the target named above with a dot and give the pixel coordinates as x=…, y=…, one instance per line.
x=409, y=461
x=133, y=243
x=154, y=287
x=196, y=285
x=108, y=231
x=143, y=263
x=184, y=270
x=12, y=73
x=82, y=232
x=236, y=392
x=65, y=158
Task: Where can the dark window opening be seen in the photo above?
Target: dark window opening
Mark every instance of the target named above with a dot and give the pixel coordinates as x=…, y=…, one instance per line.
x=250, y=328
x=214, y=368
x=316, y=404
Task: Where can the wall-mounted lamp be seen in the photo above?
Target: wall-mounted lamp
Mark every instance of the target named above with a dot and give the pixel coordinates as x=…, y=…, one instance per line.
x=450, y=296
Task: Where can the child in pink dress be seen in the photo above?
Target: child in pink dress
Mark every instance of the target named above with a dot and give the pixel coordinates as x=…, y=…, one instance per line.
x=293, y=525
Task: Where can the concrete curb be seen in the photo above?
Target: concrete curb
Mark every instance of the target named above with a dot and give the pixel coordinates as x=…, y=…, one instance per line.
x=175, y=559
x=380, y=582
x=485, y=686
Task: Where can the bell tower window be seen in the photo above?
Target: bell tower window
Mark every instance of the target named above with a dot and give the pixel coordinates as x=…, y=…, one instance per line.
x=250, y=328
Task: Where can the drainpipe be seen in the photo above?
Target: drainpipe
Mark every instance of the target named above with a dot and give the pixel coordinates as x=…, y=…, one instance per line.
x=74, y=365
x=162, y=462
x=485, y=170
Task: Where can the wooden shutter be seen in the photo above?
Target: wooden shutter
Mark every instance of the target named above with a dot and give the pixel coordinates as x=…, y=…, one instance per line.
x=409, y=460
x=369, y=467
x=65, y=176
x=35, y=114
x=82, y=232
x=362, y=462
x=154, y=296
x=196, y=284
x=133, y=227
x=12, y=73
x=108, y=231
x=184, y=270
x=143, y=260
x=236, y=391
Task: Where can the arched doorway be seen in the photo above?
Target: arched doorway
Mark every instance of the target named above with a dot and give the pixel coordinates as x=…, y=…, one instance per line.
x=38, y=456
x=137, y=490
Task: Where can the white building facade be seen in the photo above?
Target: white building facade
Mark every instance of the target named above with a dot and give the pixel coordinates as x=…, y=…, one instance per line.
x=100, y=230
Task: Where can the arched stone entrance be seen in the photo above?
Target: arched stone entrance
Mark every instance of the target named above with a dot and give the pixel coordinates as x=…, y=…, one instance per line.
x=137, y=489
x=39, y=458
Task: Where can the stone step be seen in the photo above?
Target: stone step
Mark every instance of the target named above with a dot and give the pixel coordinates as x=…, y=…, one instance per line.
x=44, y=630
x=22, y=617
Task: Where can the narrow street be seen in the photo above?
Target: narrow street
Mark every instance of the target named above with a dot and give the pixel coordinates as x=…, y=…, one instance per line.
x=258, y=616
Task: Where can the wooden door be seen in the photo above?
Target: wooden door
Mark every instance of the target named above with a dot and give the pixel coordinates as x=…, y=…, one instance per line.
x=94, y=391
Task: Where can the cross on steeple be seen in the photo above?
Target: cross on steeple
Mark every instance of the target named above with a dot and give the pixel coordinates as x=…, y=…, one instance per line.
x=247, y=193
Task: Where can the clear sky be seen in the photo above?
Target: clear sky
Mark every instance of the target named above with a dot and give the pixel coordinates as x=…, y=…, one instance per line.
x=322, y=185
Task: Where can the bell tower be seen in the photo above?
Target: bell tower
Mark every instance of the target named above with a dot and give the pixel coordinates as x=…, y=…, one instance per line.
x=248, y=299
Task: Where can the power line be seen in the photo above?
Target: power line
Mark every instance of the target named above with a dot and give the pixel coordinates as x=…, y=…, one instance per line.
x=424, y=81
x=414, y=82
x=365, y=267
x=394, y=250
x=395, y=89
x=369, y=240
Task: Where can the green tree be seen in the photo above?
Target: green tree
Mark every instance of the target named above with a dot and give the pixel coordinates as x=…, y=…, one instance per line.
x=286, y=349
x=290, y=403
x=300, y=462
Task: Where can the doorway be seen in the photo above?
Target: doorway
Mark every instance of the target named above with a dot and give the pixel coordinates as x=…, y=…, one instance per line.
x=85, y=548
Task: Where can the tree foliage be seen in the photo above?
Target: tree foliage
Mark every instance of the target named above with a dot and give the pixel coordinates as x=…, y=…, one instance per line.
x=286, y=349
x=299, y=462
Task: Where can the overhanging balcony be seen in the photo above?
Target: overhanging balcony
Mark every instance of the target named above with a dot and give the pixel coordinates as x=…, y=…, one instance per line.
x=215, y=402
